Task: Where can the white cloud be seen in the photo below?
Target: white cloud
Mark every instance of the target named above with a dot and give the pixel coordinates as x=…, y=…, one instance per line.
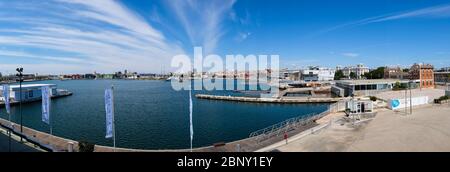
x=83, y=36
x=440, y=11
x=203, y=20
x=350, y=54
x=242, y=36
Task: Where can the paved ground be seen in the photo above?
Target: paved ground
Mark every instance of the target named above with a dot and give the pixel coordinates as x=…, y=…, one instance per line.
x=15, y=145
x=427, y=129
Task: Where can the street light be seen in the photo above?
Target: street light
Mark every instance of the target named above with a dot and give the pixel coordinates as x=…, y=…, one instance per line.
x=20, y=76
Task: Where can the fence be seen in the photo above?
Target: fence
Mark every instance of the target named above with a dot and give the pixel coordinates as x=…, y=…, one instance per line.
x=294, y=123
x=337, y=107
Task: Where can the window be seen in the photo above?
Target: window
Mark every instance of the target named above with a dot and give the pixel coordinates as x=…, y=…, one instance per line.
x=30, y=93
x=363, y=87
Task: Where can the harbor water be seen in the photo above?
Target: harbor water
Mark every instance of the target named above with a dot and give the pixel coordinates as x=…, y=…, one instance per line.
x=151, y=115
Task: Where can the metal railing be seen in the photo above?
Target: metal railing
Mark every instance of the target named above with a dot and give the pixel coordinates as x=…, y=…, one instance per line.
x=285, y=126
x=294, y=123
x=44, y=147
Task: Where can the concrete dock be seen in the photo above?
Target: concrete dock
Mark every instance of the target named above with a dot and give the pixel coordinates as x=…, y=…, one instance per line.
x=426, y=130
x=269, y=100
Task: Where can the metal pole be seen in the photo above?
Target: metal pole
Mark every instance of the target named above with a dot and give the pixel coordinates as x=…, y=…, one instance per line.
x=113, y=121
x=406, y=101
x=10, y=122
x=410, y=98
x=20, y=70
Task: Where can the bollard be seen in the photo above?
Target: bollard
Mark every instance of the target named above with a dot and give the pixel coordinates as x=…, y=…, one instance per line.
x=238, y=148
x=70, y=147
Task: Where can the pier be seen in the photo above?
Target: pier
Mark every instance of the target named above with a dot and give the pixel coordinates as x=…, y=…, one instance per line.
x=270, y=100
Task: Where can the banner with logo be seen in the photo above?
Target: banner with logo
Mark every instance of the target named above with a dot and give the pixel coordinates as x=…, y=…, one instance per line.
x=109, y=112
x=6, y=96
x=46, y=98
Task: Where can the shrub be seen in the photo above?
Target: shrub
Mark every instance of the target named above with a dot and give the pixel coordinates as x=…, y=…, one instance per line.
x=86, y=146
x=444, y=98
x=373, y=98
x=440, y=99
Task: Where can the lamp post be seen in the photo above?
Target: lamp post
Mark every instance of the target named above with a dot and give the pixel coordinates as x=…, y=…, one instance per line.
x=20, y=76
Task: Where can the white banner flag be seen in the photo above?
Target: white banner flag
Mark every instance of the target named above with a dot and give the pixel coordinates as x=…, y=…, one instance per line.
x=109, y=112
x=46, y=97
x=190, y=117
x=6, y=96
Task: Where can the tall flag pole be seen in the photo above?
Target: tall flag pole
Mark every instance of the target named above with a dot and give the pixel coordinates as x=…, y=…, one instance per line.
x=190, y=117
x=46, y=99
x=109, y=107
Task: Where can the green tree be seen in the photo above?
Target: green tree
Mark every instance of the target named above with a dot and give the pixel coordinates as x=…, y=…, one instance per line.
x=399, y=86
x=375, y=74
x=338, y=75
x=352, y=75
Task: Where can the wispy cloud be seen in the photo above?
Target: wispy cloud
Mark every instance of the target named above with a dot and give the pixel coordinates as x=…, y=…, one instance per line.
x=203, y=20
x=103, y=34
x=242, y=36
x=440, y=11
x=350, y=54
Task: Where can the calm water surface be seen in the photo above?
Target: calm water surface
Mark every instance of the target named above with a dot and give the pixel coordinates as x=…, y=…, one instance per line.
x=151, y=115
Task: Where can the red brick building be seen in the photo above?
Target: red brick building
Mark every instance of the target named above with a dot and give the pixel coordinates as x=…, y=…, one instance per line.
x=424, y=73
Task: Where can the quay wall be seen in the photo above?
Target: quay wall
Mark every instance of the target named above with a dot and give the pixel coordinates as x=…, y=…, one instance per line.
x=269, y=100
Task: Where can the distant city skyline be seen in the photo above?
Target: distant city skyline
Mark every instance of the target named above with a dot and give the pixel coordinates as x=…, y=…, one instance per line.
x=77, y=36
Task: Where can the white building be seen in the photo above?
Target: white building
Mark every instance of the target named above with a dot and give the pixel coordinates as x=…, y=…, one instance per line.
x=30, y=92
x=359, y=70
x=313, y=74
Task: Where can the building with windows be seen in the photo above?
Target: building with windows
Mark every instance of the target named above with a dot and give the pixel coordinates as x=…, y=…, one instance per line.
x=424, y=74
x=394, y=73
x=30, y=92
x=314, y=74
x=346, y=88
x=442, y=76
x=359, y=71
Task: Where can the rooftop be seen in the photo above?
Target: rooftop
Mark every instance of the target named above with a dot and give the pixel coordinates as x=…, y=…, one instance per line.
x=370, y=81
x=31, y=86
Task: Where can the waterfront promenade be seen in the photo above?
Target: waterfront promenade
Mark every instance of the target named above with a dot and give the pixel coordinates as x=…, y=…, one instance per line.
x=427, y=129
x=59, y=144
x=16, y=146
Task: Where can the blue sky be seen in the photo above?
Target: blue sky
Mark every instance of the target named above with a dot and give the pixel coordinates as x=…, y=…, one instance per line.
x=80, y=36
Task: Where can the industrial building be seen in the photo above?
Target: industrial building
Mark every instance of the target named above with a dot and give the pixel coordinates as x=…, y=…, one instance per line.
x=442, y=77
x=345, y=88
